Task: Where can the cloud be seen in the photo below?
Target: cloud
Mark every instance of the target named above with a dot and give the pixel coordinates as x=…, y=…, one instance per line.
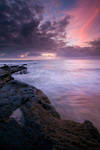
x=17, y=20
x=22, y=28
x=84, y=52
x=95, y=43
x=26, y=31
x=84, y=25
x=56, y=30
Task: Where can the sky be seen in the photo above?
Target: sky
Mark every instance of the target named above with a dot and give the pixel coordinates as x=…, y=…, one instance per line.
x=49, y=29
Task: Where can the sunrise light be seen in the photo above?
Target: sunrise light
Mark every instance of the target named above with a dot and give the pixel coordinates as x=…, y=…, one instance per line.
x=49, y=55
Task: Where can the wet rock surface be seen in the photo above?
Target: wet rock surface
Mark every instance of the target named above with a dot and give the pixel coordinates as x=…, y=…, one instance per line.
x=13, y=69
x=28, y=121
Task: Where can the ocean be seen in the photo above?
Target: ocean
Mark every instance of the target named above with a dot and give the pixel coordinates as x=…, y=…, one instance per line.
x=72, y=85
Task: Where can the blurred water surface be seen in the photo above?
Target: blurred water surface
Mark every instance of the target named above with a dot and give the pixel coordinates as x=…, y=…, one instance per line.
x=72, y=85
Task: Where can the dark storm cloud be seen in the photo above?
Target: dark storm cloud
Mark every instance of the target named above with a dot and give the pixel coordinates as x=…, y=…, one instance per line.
x=17, y=20
x=95, y=43
x=79, y=52
x=56, y=32
x=54, y=26
x=22, y=27
x=75, y=51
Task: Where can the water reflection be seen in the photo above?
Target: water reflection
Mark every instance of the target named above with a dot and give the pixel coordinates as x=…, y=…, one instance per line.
x=80, y=107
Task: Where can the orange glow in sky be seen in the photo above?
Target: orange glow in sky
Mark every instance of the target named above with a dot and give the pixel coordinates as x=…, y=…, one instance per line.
x=48, y=55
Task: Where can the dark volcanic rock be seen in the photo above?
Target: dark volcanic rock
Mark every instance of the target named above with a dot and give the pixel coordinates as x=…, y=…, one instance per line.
x=4, y=78
x=6, y=71
x=29, y=122
x=13, y=69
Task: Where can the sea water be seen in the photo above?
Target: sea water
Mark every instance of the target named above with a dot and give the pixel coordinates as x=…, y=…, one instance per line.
x=72, y=85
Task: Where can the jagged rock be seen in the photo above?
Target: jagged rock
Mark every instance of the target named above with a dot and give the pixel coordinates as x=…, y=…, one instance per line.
x=28, y=121
x=92, y=130
x=4, y=77
x=13, y=69
x=6, y=71
x=5, y=67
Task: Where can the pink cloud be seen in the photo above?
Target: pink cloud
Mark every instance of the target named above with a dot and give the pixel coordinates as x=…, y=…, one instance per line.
x=84, y=17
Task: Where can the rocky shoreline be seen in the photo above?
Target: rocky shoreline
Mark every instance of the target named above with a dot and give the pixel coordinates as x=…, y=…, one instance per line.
x=28, y=121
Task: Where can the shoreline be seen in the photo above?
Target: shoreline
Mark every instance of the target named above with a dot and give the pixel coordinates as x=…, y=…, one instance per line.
x=29, y=121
